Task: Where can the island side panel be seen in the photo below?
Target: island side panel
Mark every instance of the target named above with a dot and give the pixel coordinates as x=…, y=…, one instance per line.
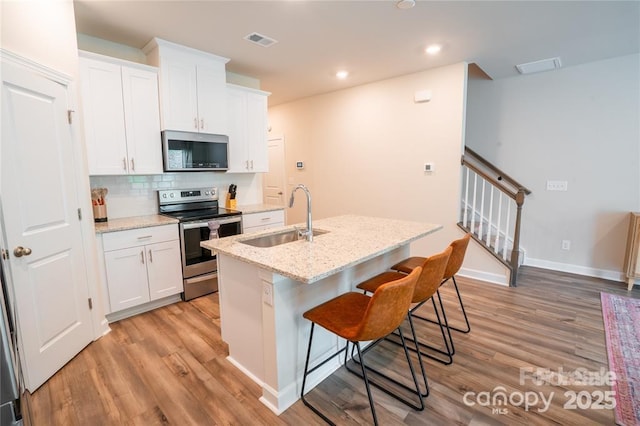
x=241, y=315
x=286, y=332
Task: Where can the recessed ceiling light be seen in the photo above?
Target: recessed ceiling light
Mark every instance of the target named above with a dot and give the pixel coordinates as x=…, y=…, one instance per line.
x=405, y=4
x=342, y=74
x=433, y=49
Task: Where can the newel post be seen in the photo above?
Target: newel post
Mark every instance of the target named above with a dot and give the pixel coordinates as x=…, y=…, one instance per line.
x=515, y=251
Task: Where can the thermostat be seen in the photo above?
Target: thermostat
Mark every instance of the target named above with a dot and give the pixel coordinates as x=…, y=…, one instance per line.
x=300, y=165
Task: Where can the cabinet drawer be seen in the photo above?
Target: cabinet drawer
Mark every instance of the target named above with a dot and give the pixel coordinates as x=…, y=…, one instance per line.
x=275, y=217
x=139, y=237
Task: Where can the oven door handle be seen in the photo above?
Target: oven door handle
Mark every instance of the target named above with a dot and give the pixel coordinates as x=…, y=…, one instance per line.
x=206, y=224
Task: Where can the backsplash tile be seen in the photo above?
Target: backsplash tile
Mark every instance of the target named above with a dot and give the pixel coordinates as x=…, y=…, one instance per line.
x=137, y=195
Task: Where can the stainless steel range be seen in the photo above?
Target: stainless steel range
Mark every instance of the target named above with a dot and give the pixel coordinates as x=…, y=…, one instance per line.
x=201, y=218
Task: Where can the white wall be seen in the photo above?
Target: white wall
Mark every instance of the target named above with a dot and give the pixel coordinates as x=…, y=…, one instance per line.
x=365, y=147
x=579, y=124
x=43, y=31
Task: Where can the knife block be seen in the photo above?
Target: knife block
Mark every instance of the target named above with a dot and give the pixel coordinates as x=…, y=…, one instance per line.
x=231, y=203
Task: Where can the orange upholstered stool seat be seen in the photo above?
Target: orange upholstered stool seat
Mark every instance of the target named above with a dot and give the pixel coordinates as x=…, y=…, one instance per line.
x=456, y=259
x=357, y=318
x=427, y=286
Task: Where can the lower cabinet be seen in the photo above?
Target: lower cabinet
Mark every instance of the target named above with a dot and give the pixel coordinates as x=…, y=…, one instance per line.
x=253, y=222
x=142, y=265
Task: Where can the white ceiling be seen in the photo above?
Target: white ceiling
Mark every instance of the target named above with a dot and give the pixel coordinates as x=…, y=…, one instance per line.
x=374, y=40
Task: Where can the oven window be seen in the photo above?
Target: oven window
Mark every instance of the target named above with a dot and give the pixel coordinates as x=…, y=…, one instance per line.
x=193, y=253
x=229, y=229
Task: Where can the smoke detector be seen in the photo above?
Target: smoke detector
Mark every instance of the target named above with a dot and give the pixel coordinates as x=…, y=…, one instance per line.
x=260, y=39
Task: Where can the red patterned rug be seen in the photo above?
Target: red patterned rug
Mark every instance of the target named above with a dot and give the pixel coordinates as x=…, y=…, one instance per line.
x=621, y=317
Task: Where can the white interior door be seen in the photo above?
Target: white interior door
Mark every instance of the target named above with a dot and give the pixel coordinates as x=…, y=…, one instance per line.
x=274, y=180
x=43, y=234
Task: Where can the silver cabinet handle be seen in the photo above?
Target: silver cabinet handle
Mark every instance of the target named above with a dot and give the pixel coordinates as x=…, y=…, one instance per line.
x=195, y=123
x=142, y=256
x=124, y=163
x=133, y=165
x=144, y=237
x=251, y=164
x=150, y=256
x=202, y=123
x=247, y=164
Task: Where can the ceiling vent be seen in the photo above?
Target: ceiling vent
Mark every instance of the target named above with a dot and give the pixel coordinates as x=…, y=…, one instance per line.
x=260, y=39
x=539, y=66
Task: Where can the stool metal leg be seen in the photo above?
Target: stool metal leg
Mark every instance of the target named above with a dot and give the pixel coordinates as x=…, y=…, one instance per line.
x=464, y=312
x=417, y=391
x=444, y=330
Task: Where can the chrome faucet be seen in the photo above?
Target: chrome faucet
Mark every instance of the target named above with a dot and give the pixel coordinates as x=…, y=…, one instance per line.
x=309, y=232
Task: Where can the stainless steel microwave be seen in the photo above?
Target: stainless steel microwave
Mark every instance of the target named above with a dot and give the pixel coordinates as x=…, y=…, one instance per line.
x=194, y=152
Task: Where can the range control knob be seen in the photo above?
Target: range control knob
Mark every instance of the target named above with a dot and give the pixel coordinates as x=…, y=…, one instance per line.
x=172, y=195
x=164, y=195
x=206, y=192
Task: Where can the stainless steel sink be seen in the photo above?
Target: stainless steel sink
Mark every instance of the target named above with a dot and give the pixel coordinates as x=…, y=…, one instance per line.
x=272, y=240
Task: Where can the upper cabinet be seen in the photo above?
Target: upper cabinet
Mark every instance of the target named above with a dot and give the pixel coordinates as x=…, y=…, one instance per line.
x=192, y=87
x=247, y=129
x=121, y=116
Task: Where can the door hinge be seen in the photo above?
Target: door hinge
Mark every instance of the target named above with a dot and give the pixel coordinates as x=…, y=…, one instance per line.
x=5, y=254
x=90, y=304
x=79, y=213
x=70, y=116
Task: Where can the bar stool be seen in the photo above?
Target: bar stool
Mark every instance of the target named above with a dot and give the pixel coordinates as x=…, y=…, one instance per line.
x=433, y=269
x=455, y=263
x=356, y=318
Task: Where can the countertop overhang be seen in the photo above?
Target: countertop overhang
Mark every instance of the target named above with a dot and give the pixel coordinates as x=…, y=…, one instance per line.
x=350, y=240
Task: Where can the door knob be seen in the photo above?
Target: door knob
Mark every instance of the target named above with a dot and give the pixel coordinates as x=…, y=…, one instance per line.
x=21, y=251
x=279, y=192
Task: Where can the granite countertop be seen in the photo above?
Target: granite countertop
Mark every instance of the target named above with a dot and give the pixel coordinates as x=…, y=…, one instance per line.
x=134, y=222
x=258, y=208
x=350, y=240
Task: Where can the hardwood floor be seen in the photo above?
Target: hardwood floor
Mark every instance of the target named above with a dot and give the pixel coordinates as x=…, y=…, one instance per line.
x=168, y=366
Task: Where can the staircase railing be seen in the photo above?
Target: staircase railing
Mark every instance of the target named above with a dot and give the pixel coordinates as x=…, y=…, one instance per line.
x=491, y=210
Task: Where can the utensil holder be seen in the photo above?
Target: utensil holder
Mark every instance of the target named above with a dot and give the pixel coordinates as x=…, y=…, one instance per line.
x=231, y=203
x=100, y=213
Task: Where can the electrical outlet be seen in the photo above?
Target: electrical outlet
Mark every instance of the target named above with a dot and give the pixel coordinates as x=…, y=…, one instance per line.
x=566, y=245
x=267, y=294
x=557, y=185
x=429, y=167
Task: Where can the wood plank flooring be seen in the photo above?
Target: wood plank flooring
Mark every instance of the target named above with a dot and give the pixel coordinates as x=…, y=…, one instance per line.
x=168, y=367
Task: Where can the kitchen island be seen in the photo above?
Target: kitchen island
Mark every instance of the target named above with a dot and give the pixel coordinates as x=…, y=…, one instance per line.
x=265, y=290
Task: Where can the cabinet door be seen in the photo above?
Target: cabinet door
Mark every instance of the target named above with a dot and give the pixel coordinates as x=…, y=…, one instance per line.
x=164, y=269
x=237, y=131
x=257, y=133
x=126, y=277
x=142, y=121
x=101, y=88
x=212, y=110
x=178, y=96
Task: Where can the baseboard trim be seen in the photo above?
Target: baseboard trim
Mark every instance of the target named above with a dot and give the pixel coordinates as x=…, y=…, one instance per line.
x=488, y=277
x=576, y=269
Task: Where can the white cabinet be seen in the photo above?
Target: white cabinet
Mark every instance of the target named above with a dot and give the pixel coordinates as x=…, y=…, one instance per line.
x=121, y=116
x=247, y=130
x=142, y=265
x=253, y=222
x=192, y=87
